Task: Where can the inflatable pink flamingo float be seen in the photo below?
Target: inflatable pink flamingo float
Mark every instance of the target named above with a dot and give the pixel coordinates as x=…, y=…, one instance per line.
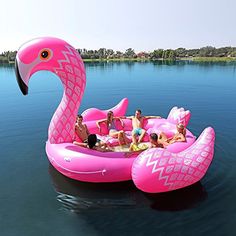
x=154, y=170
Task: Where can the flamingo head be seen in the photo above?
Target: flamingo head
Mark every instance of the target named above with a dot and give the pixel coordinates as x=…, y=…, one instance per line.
x=44, y=53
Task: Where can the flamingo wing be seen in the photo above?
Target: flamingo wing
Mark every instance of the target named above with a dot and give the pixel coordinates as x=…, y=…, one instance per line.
x=96, y=114
x=158, y=170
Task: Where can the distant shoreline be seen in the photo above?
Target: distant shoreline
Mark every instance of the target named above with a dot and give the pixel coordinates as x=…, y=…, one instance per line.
x=204, y=54
x=197, y=59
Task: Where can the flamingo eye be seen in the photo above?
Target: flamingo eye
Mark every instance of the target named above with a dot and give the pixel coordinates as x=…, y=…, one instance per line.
x=45, y=54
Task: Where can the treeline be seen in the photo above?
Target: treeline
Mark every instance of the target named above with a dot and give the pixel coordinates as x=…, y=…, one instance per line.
x=169, y=54
x=7, y=57
x=163, y=54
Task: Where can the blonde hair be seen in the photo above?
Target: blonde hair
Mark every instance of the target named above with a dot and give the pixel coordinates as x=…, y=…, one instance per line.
x=182, y=127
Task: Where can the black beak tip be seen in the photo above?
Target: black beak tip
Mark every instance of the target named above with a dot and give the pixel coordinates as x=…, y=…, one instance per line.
x=25, y=91
x=22, y=85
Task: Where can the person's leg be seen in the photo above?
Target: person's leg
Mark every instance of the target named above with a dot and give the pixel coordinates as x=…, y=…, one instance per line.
x=141, y=135
x=163, y=143
x=162, y=136
x=131, y=147
x=116, y=134
x=120, y=138
x=102, y=144
x=126, y=140
x=134, y=137
x=124, y=137
x=80, y=144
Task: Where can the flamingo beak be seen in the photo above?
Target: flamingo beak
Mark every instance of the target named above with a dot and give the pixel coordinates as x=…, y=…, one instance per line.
x=22, y=85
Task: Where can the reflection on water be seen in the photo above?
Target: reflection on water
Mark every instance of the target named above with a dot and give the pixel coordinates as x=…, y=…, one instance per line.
x=185, y=198
x=77, y=196
x=130, y=64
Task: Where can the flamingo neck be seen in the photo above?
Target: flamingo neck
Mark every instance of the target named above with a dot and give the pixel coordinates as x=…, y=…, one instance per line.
x=72, y=74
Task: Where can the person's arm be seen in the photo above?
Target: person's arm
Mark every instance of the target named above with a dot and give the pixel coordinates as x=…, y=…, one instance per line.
x=87, y=131
x=151, y=117
x=164, y=143
x=169, y=139
x=84, y=145
x=98, y=123
x=122, y=123
x=76, y=133
x=121, y=120
x=128, y=117
x=181, y=138
x=172, y=139
x=122, y=117
x=74, y=136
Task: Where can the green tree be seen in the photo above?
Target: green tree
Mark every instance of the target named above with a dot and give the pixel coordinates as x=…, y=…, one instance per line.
x=208, y=51
x=119, y=54
x=129, y=53
x=180, y=52
x=109, y=53
x=156, y=54
x=172, y=55
x=102, y=52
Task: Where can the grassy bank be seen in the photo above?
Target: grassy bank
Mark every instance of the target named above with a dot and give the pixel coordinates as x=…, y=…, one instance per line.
x=123, y=59
x=3, y=59
x=211, y=59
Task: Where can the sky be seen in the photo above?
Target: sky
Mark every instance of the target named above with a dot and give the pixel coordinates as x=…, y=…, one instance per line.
x=143, y=25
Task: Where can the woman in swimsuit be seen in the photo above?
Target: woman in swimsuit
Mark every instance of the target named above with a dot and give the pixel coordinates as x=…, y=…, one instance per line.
x=113, y=132
x=179, y=136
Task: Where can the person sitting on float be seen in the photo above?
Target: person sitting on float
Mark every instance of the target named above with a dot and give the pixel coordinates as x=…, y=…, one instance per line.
x=81, y=130
x=113, y=132
x=137, y=125
x=179, y=136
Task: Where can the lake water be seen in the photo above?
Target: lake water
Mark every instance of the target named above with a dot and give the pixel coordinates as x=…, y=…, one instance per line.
x=37, y=200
